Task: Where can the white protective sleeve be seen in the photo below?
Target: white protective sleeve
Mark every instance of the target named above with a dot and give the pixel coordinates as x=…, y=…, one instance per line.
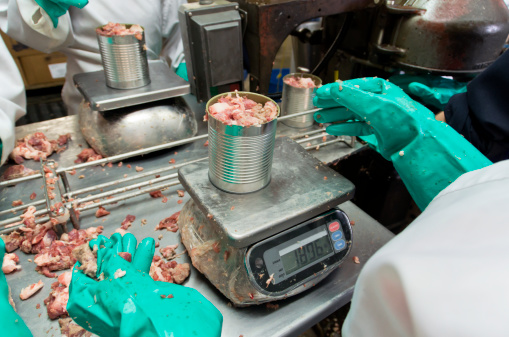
x=447, y=273
x=27, y=23
x=12, y=100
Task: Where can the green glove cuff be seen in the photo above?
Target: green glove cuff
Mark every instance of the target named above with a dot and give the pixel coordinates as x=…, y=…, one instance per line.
x=182, y=71
x=57, y=8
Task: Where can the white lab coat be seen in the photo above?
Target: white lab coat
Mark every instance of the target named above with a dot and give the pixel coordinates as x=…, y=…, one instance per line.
x=12, y=99
x=75, y=35
x=447, y=274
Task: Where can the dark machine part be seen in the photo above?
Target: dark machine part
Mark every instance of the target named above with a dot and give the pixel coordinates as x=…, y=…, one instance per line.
x=454, y=36
x=271, y=21
x=212, y=36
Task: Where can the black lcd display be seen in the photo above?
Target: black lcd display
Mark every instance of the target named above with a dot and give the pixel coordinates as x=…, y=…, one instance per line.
x=305, y=255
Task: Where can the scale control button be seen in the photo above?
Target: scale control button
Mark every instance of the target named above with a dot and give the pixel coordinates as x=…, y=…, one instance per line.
x=337, y=235
x=339, y=244
x=334, y=226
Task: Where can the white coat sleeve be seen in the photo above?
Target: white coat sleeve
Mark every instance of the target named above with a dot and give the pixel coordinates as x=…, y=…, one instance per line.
x=12, y=100
x=173, y=48
x=29, y=24
x=447, y=273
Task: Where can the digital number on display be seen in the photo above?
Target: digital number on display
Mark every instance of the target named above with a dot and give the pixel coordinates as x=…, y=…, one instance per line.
x=300, y=255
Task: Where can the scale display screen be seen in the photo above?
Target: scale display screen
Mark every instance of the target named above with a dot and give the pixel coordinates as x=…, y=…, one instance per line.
x=301, y=254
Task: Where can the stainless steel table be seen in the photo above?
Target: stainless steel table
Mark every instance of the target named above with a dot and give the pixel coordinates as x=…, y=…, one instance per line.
x=294, y=315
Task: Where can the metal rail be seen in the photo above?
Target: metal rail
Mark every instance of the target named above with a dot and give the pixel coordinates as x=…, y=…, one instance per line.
x=164, y=182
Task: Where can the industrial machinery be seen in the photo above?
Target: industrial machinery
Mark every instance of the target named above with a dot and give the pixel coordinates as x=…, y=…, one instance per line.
x=367, y=38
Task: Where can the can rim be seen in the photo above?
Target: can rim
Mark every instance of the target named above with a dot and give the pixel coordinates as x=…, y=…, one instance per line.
x=127, y=26
x=258, y=98
x=316, y=79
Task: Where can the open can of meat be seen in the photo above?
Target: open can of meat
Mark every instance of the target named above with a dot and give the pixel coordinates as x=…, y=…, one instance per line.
x=124, y=58
x=240, y=157
x=298, y=99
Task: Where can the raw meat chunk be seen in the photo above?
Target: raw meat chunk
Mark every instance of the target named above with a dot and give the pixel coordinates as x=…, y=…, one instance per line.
x=300, y=82
x=120, y=30
x=168, y=271
x=101, y=212
x=30, y=290
x=87, y=259
x=17, y=171
x=168, y=252
x=68, y=328
x=56, y=302
x=170, y=223
x=87, y=155
x=9, y=263
x=34, y=146
x=238, y=110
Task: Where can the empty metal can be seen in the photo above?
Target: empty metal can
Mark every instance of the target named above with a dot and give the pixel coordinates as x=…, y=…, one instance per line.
x=240, y=157
x=296, y=100
x=124, y=60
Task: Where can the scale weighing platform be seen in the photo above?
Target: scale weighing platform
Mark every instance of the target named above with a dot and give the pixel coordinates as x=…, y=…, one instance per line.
x=273, y=243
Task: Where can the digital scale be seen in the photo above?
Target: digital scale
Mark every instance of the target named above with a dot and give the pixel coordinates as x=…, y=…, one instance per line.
x=273, y=243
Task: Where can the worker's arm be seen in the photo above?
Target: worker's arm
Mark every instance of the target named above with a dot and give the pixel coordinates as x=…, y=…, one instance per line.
x=12, y=100
x=128, y=302
x=481, y=114
x=29, y=23
x=446, y=273
x=427, y=154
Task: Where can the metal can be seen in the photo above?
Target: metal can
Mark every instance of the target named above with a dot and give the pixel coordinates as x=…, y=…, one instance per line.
x=240, y=157
x=296, y=100
x=124, y=60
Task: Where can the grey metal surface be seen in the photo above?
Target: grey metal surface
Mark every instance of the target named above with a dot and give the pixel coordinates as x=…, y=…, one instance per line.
x=293, y=316
x=297, y=100
x=164, y=84
x=212, y=37
x=301, y=187
x=124, y=59
x=240, y=157
x=141, y=126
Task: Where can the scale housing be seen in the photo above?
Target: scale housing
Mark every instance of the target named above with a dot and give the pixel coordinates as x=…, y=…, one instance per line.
x=222, y=231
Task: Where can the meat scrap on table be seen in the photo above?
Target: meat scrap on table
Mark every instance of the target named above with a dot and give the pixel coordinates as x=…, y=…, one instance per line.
x=168, y=252
x=56, y=302
x=128, y=221
x=29, y=291
x=158, y=194
x=171, y=271
x=87, y=155
x=170, y=223
x=17, y=171
x=9, y=263
x=68, y=328
x=37, y=146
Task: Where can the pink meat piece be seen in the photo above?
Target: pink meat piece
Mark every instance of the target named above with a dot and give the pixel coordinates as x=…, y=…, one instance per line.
x=171, y=271
x=238, y=110
x=101, y=211
x=170, y=223
x=59, y=255
x=63, y=139
x=12, y=241
x=87, y=155
x=168, y=252
x=127, y=222
x=17, y=171
x=56, y=302
x=9, y=263
x=300, y=82
x=34, y=146
x=39, y=237
x=156, y=194
x=126, y=256
x=17, y=203
x=31, y=290
x=119, y=29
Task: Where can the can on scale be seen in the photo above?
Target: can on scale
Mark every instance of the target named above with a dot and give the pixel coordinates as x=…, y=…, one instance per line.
x=240, y=157
x=296, y=100
x=124, y=60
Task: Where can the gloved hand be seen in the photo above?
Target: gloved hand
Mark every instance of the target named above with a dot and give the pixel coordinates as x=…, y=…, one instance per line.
x=427, y=154
x=132, y=304
x=432, y=90
x=10, y=321
x=57, y=8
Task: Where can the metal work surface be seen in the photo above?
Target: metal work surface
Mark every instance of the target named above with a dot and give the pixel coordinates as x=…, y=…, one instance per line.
x=294, y=314
x=164, y=83
x=301, y=188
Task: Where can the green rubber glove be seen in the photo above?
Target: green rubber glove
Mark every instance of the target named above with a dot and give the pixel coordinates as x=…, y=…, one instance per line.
x=10, y=322
x=182, y=71
x=132, y=305
x=432, y=90
x=57, y=8
x=427, y=154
